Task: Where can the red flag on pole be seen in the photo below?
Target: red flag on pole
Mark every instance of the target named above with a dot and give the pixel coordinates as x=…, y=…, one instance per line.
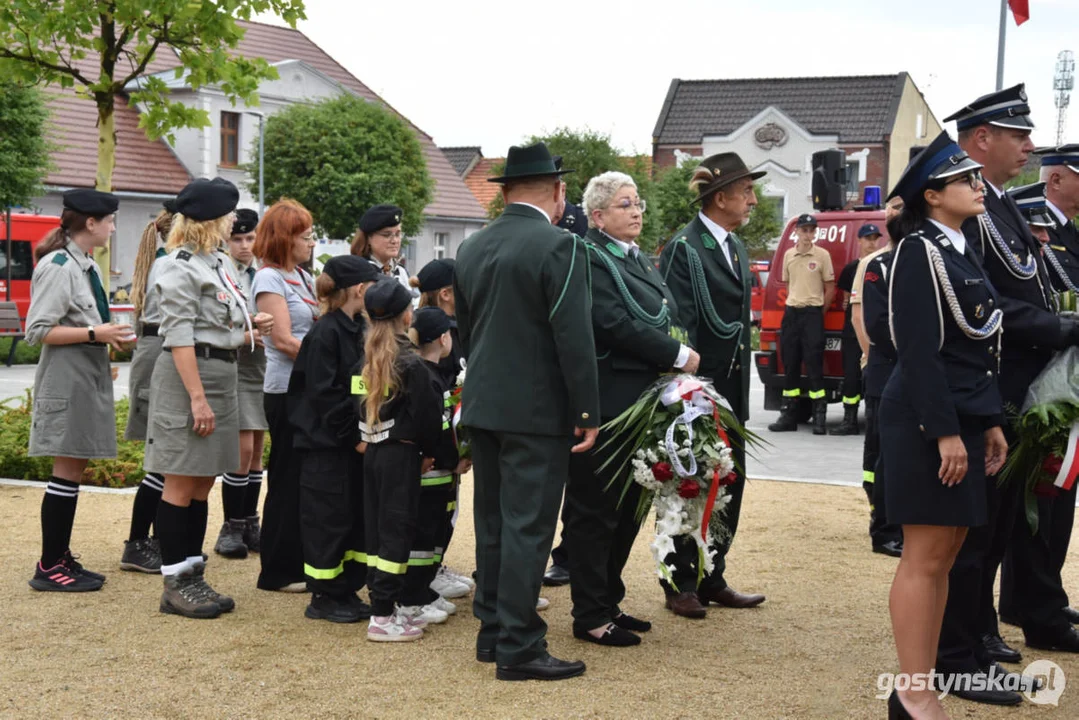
x=1020, y=10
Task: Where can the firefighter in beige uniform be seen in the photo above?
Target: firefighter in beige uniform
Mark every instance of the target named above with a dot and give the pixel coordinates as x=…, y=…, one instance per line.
x=74, y=419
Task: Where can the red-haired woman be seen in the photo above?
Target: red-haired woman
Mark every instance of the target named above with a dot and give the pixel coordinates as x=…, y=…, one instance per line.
x=282, y=288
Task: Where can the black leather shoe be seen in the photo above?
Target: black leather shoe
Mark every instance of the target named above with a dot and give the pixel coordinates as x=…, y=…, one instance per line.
x=1025, y=683
x=1072, y=614
x=999, y=650
x=614, y=636
x=892, y=548
x=556, y=576
x=628, y=622
x=485, y=655
x=989, y=697
x=545, y=667
x=1064, y=641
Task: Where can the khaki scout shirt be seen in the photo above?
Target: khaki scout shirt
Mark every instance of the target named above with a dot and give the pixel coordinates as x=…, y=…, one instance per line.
x=61, y=293
x=805, y=275
x=200, y=300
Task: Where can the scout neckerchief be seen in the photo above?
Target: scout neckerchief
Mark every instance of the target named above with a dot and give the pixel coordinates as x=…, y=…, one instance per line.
x=311, y=302
x=100, y=298
x=238, y=296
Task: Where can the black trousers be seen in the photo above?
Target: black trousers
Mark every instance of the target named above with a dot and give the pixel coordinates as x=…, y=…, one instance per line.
x=518, y=487
x=427, y=547
x=600, y=534
x=331, y=520
x=969, y=612
x=685, y=557
x=281, y=554
x=880, y=530
x=1031, y=587
x=452, y=494
x=852, y=368
x=802, y=340
x=391, y=503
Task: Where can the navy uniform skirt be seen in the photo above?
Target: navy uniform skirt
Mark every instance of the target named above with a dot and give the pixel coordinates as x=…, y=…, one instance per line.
x=911, y=461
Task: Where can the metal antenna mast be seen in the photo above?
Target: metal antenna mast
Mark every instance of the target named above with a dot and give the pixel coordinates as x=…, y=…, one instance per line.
x=1063, y=83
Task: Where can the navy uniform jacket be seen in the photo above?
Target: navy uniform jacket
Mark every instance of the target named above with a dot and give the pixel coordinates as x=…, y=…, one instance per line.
x=631, y=352
x=1064, y=244
x=881, y=360
x=951, y=378
x=1032, y=330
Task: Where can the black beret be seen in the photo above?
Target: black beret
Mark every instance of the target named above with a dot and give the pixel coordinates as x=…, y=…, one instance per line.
x=350, y=270
x=386, y=299
x=91, y=202
x=436, y=275
x=170, y=205
x=805, y=220
x=246, y=221
x=204, y=199
x=430, y=323
x=379, y=217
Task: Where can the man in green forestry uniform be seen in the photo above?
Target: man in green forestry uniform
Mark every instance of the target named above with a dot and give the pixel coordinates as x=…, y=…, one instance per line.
x=525, y=322
x=707, y=269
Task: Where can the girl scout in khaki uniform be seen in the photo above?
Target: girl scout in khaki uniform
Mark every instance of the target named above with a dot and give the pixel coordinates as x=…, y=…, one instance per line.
x=193, y=432
x=141, y=552
x=241, y=486
x=74, y=419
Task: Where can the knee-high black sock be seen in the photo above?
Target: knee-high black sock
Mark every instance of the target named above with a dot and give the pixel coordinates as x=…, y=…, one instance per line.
x=197, y=515
x=251, y=496
x=57, y=517
x=233, y=495
x=144, y=510
x=171, y=529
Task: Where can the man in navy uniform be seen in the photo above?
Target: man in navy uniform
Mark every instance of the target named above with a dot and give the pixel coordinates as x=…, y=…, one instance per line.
x=1060, y=173
x=994, y=131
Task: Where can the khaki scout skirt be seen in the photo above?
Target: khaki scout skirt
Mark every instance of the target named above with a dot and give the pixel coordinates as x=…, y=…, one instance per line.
x=74, y=414
x=172, y=447
x=250, y=373
x=138, y=386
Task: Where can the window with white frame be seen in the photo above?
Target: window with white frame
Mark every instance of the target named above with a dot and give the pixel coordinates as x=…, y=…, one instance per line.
x=442, y=245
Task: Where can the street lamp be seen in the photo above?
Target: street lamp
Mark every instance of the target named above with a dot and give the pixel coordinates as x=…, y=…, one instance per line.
x=262, y=154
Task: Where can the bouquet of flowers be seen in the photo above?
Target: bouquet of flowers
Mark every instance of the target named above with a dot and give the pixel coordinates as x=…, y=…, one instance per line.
x=675, y=440
x=460, y=435
x=1045, y=458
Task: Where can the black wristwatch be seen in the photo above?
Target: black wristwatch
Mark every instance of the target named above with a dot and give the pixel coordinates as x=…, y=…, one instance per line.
x=93, y=335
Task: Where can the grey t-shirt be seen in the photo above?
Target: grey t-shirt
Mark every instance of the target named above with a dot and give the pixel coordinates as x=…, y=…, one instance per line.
x=298, y=288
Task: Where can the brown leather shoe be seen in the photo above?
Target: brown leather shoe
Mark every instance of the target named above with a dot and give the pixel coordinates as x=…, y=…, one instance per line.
x=687, y=605
x=729, y=597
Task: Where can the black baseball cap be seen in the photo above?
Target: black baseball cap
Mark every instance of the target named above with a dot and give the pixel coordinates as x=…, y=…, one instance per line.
x=386, y=299
x=430, y=323
x=867, y=230
x=805, y=220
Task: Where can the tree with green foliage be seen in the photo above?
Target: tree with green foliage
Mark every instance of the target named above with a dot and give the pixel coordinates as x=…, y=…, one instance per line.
x=341, y=156
x=97, y=47
x=24, y=151
x=675, y=208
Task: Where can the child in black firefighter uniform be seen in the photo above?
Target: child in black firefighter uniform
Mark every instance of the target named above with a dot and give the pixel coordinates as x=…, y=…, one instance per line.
x=402, y=426
x=326, y=422
x=430, y=334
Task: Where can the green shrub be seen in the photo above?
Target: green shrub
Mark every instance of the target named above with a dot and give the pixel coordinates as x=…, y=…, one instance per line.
x=24, y=354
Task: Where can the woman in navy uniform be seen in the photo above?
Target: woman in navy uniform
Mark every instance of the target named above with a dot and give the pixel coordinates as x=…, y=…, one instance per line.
x=635, y=322
x=193, y=430
x=941, y=412
x=73, y=418
x=141, y=552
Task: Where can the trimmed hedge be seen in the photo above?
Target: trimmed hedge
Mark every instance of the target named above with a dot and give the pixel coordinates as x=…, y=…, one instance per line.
x=26, y=354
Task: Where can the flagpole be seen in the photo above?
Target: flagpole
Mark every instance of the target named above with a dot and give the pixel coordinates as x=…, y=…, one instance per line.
x=1000, y=43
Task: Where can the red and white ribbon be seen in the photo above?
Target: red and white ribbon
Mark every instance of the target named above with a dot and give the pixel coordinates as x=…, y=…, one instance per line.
x=1070, y=467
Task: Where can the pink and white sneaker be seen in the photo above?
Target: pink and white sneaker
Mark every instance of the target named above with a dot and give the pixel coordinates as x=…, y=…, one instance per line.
x=394, y=628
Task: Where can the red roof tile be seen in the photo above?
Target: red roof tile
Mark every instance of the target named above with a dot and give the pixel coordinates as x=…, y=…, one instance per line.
x=476, y=181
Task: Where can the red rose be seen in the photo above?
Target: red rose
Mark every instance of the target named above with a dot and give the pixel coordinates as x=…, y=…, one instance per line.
x=1052, y=465
x=729, y=479
x=662, y=472
x=689, y=489
x=1046, y=490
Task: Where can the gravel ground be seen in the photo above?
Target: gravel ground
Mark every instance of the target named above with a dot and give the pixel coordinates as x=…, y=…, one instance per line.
x=813, y=650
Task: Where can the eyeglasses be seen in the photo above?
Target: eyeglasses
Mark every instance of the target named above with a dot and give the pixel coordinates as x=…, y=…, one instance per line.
x=626, y=205
x=390, y=235
x=973, y=179
x=308, y=237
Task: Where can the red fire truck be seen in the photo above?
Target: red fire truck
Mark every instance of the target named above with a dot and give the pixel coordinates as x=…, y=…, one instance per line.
x=26, y=232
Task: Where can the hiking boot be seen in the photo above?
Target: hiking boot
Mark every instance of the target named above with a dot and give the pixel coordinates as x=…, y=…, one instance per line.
x=849, y=426
x=788, y=418
x=230, y=541
x=184, y=595
x=336, y=609
x=72, y=561
x=142, y=555
x=226, y=603
x=253, y=534
x=820, y=417
x=61, y=577
x=394, y=628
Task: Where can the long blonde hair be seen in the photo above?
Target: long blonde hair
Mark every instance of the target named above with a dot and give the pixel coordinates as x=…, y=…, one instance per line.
x=156, y=229
x=380, y=349
x=201, y=235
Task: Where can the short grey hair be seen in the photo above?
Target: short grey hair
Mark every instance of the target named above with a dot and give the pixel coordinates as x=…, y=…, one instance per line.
x=601, y=190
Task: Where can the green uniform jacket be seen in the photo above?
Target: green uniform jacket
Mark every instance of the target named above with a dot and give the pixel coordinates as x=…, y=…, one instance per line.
x=713, y=306
x=526, y=327
x=632, y=316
